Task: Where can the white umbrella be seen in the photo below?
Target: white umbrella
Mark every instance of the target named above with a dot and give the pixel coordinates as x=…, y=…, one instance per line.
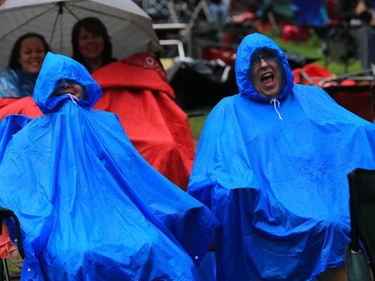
x=128, y=25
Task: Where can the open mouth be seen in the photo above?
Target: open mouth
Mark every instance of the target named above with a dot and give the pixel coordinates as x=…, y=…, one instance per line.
x=267, y=78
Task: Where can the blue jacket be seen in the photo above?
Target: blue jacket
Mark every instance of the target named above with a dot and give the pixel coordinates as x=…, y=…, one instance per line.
x=279, y=185
x=90, y=207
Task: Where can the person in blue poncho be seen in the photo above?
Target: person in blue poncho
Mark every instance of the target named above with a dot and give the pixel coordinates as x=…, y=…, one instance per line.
x=272, y=165
x=90, y=207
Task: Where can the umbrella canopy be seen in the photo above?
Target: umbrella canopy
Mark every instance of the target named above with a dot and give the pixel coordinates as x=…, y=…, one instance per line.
x=128, y=25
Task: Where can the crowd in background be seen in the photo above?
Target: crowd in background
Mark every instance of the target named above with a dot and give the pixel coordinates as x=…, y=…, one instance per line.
x=231, y=20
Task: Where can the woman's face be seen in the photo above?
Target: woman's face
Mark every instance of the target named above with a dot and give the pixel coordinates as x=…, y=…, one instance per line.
x=31, y=56
x=91, y=45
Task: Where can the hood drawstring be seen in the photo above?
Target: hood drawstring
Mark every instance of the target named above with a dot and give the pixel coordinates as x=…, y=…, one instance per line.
x=73, y=98
x=274, y=102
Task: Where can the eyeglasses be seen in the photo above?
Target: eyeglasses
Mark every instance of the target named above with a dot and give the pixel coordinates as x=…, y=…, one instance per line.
x=268, y=56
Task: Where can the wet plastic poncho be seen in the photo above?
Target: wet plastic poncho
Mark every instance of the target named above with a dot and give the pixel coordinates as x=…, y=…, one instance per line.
x=8, y=127
x=279, y=185
x=90, y=207
x=16, y=83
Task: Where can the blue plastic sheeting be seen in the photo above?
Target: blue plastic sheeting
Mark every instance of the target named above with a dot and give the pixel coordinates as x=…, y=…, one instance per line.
x=16, y=83
x=90, y=207
x=207, y=267
x=279, y=187
x=10, y=125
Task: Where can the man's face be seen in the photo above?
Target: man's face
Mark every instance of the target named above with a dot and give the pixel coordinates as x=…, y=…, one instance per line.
x=265, y=73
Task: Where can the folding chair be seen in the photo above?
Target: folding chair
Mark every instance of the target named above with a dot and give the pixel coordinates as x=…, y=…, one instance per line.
x=360, y=253
x=4, y=215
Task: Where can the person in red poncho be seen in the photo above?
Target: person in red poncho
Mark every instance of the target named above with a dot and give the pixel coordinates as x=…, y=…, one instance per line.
x=137, y=90
x=145, y=104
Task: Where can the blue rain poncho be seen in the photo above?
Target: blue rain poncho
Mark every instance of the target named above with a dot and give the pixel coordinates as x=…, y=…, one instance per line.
x=9, y=126
x=90, y=207
x=16, y=83
x=275, y=175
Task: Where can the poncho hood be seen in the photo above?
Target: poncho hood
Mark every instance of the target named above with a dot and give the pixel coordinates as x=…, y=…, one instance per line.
x=56, y=67
x=250, y=44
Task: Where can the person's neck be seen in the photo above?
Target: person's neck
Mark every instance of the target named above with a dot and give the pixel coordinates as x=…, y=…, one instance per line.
x=94, y=64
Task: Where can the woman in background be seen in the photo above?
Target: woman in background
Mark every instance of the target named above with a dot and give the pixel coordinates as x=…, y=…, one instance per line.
x=91, y=43
x=27, y=55
x=137, y=90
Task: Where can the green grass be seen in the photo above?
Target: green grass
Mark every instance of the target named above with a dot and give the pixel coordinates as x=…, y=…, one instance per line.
x=312, y=48
x=197, y=122
x=13, y=270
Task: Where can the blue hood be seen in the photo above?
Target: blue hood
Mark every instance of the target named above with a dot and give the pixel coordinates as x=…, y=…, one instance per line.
x=56, y=67
x=242, y=66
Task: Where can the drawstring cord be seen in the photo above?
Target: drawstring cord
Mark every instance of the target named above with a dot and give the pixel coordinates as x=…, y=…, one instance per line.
x=73, y=98
x=274, y=102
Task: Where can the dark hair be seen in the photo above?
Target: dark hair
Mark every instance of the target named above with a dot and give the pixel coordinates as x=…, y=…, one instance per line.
x=92, y=25
x=15, y=53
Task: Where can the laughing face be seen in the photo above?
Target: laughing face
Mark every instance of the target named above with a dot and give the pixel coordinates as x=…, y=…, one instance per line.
x=31, y=56
x=266, y=73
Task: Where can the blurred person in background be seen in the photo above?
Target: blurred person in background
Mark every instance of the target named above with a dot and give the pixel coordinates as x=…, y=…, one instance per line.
x=359, y=16
x=26, y=58
x=219, y=12
x=91, y=43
